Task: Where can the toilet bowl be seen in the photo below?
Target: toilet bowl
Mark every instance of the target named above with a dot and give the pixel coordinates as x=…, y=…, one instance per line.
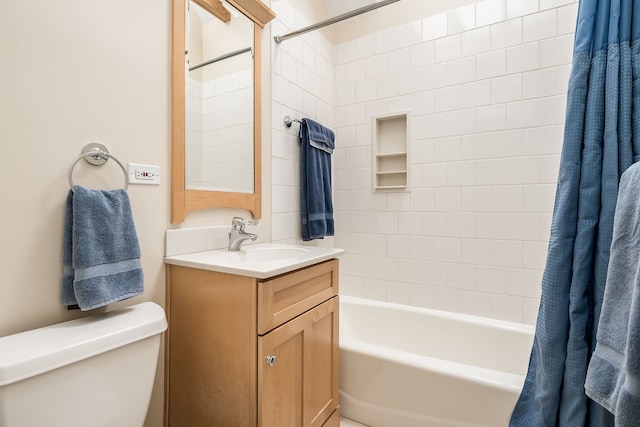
x=94, y=371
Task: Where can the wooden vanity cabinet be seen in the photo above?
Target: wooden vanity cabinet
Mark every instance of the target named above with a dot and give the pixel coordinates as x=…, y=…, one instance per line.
x=242, y=351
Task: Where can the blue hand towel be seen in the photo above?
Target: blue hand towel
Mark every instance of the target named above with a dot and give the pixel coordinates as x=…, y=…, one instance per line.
x=101, y=253
x=317, y=144
x=613, y=376
x=68, y=296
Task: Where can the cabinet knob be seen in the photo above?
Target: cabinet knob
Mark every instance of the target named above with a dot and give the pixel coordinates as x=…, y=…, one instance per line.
x=271, y=360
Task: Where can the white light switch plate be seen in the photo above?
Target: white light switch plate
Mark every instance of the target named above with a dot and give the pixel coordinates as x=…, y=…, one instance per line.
x=144, y=174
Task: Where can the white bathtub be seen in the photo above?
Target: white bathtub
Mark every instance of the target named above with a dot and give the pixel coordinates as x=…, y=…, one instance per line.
x=403, y=366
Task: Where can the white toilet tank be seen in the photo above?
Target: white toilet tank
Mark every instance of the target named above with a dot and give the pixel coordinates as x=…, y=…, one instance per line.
x=94, y=371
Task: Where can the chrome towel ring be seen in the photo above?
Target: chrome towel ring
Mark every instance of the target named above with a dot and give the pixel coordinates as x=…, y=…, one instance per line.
x=96, y=154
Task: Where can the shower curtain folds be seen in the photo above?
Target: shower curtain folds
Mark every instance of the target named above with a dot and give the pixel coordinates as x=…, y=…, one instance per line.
x=601, y=140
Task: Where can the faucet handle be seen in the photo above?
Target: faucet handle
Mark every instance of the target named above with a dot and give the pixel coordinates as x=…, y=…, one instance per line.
x=238, y=223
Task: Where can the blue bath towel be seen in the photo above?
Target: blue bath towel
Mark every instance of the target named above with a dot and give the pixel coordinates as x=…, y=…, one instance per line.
x=317, y=144
x=613, y=377
x=101, y=254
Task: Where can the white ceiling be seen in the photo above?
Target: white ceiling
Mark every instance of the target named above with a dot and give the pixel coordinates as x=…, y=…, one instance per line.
x=395, y=14
x=338, y=7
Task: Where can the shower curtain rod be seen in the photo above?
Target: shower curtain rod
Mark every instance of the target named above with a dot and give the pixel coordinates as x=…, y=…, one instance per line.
x=355, y=12
x=220, y=58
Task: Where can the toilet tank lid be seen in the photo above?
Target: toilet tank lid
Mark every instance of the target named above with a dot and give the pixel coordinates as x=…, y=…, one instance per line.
x=33, y=352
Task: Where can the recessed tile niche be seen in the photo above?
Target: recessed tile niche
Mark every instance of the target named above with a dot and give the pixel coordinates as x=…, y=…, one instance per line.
x=390, y=151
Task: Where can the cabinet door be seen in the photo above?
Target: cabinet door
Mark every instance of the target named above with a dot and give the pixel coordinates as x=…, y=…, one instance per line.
x=298, y=370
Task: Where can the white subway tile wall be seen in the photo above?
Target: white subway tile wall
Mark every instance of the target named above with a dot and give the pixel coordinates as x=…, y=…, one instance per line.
x=486, y=87
x=303, y=84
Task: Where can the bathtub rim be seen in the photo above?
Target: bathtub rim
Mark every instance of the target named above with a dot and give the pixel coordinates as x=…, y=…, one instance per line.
x=467, y=318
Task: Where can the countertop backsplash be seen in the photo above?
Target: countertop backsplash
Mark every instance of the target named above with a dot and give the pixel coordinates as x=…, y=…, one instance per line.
x=197, y=239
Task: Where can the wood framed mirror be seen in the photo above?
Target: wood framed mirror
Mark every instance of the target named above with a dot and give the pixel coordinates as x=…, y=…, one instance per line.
x=185, y=195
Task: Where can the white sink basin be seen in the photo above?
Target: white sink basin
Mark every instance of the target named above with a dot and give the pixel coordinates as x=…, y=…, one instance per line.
x=267, y=254
x=262, y=260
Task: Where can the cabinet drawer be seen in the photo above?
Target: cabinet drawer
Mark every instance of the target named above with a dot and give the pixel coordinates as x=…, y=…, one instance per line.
x=285, y=297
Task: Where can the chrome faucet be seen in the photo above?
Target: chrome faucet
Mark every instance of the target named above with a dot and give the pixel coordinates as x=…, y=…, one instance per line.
x=237, y=235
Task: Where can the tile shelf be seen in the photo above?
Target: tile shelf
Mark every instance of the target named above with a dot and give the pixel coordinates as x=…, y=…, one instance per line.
x=392, y=187
x=399, y=154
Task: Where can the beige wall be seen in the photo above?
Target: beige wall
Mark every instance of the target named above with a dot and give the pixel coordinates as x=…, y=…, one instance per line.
x=73, y=72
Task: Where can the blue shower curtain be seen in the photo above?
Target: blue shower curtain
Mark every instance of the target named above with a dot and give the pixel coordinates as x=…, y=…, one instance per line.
x=600, y=141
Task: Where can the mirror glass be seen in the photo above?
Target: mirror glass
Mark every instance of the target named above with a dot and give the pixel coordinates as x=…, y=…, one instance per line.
x=219, y=88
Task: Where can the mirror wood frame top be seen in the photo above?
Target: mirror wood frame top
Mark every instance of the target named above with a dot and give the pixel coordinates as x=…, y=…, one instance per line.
x=183, y=200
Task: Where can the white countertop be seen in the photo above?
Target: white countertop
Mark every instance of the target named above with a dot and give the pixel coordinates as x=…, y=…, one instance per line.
x=261, y=260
